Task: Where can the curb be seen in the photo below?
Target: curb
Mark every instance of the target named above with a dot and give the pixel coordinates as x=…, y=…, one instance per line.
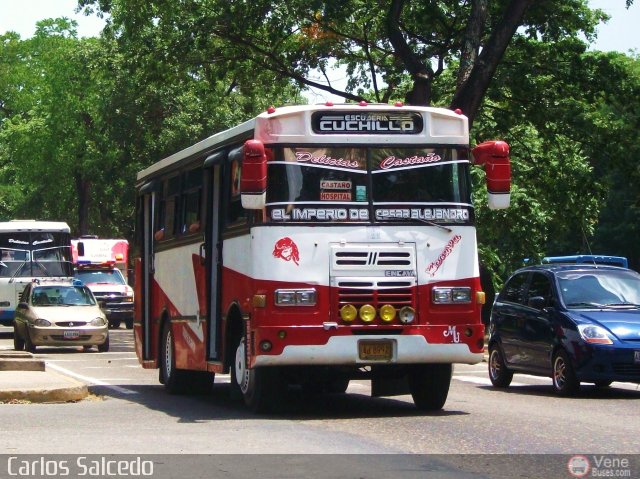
x=20, y=361
x=43, y=387
x=24, y=378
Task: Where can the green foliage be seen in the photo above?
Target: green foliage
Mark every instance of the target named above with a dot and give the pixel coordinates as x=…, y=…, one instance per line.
x=80, y=117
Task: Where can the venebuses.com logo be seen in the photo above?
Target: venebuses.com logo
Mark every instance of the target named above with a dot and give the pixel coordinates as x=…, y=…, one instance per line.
x=599, y=466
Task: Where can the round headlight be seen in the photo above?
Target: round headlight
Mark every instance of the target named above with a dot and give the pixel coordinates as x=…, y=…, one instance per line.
x=42, y=322
x=367, y=313
x=98, y=322
x=348, y=312
x=387, y=313
x=407, y=314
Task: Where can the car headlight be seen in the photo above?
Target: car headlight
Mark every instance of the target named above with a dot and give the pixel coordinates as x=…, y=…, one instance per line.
x=42, y=322
x=98, y=322
x=295, y=297
x=451, y=295
x=594, y=334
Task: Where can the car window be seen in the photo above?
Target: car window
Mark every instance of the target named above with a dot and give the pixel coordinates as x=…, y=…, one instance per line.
x=540, y=286
x=512, y=291
x=600, y=287
x=62, y=295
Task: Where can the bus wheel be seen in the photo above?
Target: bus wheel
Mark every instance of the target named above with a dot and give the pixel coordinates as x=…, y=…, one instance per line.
x=259, y=386
x=172, y=378
x=18, y=342
x=429, y=385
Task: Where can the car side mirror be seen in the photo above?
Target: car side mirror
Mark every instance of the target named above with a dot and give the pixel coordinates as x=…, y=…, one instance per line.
x=537, y=302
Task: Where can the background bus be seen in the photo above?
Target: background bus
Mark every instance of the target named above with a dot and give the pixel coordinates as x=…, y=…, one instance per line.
x=313, y=245
x=29, y=250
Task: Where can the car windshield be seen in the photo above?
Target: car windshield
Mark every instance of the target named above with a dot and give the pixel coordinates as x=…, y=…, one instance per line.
x=597, y=288
x=112, y=276
x=62, y=296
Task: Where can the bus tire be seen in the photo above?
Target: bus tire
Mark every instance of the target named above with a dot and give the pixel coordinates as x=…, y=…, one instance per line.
x=429, y=385
x=174, y=379
x=18, y=342
x=259, y=386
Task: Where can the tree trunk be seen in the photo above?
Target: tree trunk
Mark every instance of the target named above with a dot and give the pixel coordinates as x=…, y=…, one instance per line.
x=83, y=188
x=420, y=71
x=469, y=95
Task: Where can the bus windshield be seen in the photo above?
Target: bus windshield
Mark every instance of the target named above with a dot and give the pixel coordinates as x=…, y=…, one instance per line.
x=35, y=254
x=369, y=184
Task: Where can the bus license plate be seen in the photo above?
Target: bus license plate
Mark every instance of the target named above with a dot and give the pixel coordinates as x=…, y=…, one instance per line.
x=636, y=357
x=71, y=334
x=375, y=350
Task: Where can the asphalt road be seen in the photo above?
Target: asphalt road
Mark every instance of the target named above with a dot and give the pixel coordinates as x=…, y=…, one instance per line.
x=130, y=413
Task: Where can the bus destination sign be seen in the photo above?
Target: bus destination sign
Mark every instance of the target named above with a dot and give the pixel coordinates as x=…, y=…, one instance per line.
x=371, y=123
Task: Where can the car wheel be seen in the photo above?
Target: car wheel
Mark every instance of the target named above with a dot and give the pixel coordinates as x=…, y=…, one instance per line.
x=87, y=347
x=104, y=347
x=565, y=381
x=429, y=385
x=499, y=375
x=129, y=323
x=28, y=345
x=259, y=386
x=18, y=342
x=114, y=324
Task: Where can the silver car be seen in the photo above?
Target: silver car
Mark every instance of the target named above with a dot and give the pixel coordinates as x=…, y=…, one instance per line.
x=59, y=314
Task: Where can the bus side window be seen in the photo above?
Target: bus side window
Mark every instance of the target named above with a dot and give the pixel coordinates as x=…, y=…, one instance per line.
x=191, y=200
x=172, y=207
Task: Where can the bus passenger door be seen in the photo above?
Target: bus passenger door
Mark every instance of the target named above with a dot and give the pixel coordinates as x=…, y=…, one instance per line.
x=144, y=273
x=211, y=247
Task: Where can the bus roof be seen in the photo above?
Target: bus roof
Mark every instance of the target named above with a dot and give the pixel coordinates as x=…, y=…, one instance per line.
x=34, y=225
x=293, y=125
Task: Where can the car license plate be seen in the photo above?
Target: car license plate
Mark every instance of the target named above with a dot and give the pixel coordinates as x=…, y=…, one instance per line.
x=375, y=350
x=636, y=357
x=71, y=334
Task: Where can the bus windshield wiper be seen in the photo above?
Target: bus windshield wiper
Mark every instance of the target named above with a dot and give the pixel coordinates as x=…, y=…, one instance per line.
x=426, y=222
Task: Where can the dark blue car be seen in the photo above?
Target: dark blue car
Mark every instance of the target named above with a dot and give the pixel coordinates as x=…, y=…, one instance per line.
x=574, y=323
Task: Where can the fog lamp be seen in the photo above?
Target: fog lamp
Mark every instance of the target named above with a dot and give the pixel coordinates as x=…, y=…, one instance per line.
x=265, y=346
x=387, y=313
x=407, y=314
x=348, y=312
x=367, y=313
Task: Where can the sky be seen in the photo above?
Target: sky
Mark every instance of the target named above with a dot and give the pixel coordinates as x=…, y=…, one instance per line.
x=619, y=34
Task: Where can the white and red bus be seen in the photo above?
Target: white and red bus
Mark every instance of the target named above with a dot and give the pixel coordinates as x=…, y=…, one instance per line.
x=313, y=245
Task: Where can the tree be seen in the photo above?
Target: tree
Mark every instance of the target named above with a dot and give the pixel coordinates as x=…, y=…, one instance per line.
x=389, y=49
x=80, y=118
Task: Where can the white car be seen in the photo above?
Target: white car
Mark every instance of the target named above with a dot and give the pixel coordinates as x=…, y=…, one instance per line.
x=59, y=314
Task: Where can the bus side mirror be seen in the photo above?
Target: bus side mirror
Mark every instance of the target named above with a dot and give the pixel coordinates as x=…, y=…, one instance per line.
x=494, y=156
x=253, y=182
